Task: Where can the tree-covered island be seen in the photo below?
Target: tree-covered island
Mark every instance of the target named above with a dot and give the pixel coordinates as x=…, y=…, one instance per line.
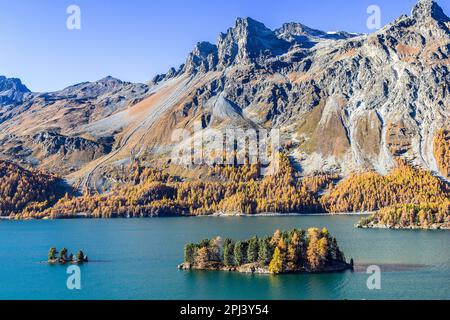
x=297, y=251
x=63, y=257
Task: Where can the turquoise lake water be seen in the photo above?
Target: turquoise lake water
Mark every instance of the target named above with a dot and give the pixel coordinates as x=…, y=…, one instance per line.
x=137, y=259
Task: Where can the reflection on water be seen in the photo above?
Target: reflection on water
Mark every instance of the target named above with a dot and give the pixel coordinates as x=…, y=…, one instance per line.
x=391, y=267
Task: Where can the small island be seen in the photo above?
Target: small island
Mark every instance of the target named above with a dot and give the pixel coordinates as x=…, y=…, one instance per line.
x=62, y=257
x=297, y=251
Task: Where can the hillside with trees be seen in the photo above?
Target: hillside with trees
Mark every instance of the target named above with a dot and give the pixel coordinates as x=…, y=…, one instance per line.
x=371, y=191
x=149, y=192
x=22, y=189
x=297, y=251
x=411, y=216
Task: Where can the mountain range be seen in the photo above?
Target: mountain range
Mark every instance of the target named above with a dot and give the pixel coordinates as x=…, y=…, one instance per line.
x=343, y=102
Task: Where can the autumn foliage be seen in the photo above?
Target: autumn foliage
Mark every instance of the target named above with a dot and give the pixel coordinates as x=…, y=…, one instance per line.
x=314, y=250
x=148, y=192
x=22, y=189
x=372, y=191
x=423, y=216
x=442, y=151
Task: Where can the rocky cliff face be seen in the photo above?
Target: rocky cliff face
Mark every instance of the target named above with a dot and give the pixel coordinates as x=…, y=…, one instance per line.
x=12, y=91
x=53, y=143
x=347, y=102
x=342, y=101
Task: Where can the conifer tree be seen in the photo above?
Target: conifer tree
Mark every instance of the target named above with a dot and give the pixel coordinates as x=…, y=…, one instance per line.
x=323, y=248
x=189, y=253
x=265, y=253
x=202, y=257
x=63, y=254
x=293, y=252
x=80, y=256
x=313, y=249
x=276, y=265
x=52, y=253
x=228, y=253
x=240, y=253
x=253, y=250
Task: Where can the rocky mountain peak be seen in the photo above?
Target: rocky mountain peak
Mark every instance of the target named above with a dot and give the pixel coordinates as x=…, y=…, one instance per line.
x=250, y=25
x=98, y=87
x=11, y=91
x=306, y=36
x=109, y=80
x=204, y=48
x=203, y=58
x=426, y=9
x=248, y=41
x=12, y=84
x=295, y=28
x=342, y=106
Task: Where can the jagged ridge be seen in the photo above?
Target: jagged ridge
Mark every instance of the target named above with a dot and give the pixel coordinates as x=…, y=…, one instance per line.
x=344, y=102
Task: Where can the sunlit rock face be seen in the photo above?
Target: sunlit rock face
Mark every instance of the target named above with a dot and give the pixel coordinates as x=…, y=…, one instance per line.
x=342, y=101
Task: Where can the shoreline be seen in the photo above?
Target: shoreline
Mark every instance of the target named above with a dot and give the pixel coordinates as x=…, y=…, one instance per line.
x=215, y=215
x=434, y=227
x=255, y=269
x=230, y=215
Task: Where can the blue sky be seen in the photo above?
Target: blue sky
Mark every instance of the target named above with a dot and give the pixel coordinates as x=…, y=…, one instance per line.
x=136, y=39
